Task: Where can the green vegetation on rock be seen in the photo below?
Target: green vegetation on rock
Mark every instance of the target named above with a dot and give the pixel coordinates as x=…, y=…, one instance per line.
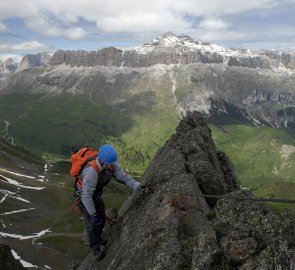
x=259, y=155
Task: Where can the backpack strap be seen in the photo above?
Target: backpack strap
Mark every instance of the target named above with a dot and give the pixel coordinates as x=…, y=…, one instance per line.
x=92, y=162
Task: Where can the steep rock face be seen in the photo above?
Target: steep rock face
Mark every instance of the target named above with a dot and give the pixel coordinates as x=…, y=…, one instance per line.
x=174, y=49
x=288, y=59
x=250, y=62
x=10, y=65
x=7, y=261
x=34, y=60
x=7, y=67
x=133, y=58
x=175, y=229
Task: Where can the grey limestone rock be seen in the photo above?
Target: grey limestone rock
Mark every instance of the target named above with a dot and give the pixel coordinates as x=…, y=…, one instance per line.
x=34, y=60
x=288, y=59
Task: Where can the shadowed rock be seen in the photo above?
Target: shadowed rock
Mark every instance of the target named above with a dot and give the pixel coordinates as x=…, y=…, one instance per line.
x=7, y=261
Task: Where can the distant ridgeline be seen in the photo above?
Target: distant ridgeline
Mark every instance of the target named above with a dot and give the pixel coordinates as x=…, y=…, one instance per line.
x=134, y=99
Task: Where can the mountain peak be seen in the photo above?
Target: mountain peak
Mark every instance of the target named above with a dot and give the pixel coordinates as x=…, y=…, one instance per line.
x=179, y=41
x=169, y=39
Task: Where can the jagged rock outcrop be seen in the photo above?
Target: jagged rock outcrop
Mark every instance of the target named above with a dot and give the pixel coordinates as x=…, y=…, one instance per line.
x=7, y=261
x=7, y=67
x=34, y=60
x=250, y=62
x=10, y=65
x=288, y=59
x=175, y=229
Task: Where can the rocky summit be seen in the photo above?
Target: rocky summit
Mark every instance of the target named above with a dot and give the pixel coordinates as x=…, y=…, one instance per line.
x=177, y=228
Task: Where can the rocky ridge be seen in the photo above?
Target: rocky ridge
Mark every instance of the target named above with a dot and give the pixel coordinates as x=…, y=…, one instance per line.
x=7, y=67
x=176, y=49
x=34, y=60
x=10, y=66
x=175, y=229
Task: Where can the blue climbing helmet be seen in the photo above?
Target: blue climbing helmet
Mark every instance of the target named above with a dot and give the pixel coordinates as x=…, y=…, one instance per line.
x=108, y=154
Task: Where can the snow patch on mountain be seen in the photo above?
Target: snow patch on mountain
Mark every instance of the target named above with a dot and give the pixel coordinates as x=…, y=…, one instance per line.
x=186, y=43
x=18, y=174
x=16, y=211
x=21, y=237
x=16, y=183
x=10, y=194
x=24, y=263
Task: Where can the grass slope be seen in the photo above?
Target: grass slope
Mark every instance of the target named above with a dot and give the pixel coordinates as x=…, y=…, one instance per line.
x=59, y=124
x=51, y=210
x=257, y=153
x=263, y=159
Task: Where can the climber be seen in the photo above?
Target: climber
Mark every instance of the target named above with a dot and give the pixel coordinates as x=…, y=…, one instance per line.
x=92, y=177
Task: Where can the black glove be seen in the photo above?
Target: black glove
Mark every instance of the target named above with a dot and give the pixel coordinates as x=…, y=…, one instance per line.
x=95, y=220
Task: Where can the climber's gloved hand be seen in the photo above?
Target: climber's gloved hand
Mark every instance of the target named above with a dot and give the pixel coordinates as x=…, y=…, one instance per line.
x=147, y=189
x=95, y=220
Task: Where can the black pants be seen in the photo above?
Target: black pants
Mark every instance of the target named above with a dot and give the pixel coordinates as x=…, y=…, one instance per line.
x=93, y=232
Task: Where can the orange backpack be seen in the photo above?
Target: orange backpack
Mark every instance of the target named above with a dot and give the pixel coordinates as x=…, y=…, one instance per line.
x=80, y=159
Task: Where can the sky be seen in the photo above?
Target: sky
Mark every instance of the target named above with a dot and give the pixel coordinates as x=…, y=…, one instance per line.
x=33, y=26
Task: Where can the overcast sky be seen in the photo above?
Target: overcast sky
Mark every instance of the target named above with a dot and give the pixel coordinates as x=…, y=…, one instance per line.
x=31, y=26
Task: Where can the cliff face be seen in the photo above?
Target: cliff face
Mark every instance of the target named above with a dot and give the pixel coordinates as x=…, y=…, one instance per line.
x=175, y=49
x=34, y=60
x=175, y=229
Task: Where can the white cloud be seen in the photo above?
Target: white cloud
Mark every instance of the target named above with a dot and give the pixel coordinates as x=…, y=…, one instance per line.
x=143, y=22
x=45, y=26
x=217, y=36
x=217, y=7
x=126, y=14
x=17, y=51
x=2, y=27
x=209, y=20
x=25, y=46
x=213, y=24
x=16, y=57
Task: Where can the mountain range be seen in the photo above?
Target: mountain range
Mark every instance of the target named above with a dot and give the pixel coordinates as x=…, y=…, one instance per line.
x=260, y=84
x=134, y=99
